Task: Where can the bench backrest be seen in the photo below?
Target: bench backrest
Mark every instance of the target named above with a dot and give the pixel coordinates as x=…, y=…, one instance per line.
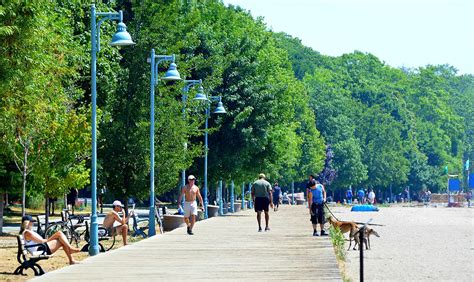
x=22, y=251
x=135, y=221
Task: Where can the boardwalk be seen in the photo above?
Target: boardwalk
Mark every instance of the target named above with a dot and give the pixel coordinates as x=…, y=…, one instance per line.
x=223, y=248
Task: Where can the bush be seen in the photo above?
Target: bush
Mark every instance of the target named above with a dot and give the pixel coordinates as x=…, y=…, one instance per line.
x=35, y=202
x=338, y=241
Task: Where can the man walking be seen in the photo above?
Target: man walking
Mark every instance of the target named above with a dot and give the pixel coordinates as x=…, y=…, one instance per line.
x=262, y=197
x=371, y=197
x=190, y=192
x=316, y=200
x=276, y=196
x=349, y=196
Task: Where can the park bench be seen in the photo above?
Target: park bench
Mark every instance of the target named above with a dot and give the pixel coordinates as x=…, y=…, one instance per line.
x=106, y=241
x=29, y=260
x=137, y=229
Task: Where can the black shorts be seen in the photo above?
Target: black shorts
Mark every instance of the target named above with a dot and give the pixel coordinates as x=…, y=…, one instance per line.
x=318, y=213
x=45, y=249
x=261, y=204
x=276, y=200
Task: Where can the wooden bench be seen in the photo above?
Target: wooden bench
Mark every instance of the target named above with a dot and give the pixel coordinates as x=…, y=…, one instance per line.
x=28, y=260
x=139, y=230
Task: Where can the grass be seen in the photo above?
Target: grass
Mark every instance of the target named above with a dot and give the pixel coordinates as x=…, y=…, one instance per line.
x=13, y=215
x=338, y=240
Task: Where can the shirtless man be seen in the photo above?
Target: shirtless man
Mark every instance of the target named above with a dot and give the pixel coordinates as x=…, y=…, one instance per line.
x=112, y=217
x=190, y=192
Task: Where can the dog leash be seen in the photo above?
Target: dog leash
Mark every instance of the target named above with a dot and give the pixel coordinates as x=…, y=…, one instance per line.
x=374, y=224
x=325, y=204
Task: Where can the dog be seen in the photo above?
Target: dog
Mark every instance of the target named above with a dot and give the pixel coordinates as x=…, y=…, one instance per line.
x=367, y=233
x=345, y=226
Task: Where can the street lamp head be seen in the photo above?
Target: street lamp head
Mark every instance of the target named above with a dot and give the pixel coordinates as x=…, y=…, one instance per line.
x=122, y=37
x=172, y=73
x=220, y=109
x=200, y=96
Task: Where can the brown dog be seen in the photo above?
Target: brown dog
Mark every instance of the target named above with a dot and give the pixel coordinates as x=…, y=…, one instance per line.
x=368, y=232
x=345, y=226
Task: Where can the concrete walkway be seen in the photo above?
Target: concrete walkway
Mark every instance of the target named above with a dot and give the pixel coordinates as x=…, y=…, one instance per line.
x=223, y=248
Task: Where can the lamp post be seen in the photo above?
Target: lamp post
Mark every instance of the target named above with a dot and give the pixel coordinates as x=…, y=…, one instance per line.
x=232, y=196
x=120, y=38
x=219, y=110
x=221, y=203
x=170, y=75
x=250, y=192
x=292, y=192
x=243, y=197
x=184, y=98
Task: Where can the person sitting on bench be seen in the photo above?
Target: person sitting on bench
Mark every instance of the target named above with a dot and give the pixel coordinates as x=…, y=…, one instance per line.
x=112, y=217
x=34, y=242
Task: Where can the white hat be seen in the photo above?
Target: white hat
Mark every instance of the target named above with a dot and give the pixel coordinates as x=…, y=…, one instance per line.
x=117, y=203
x=191, y=177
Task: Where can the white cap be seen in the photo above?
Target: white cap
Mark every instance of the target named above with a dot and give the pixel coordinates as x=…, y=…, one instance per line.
x=117, y=203
x=191, y=177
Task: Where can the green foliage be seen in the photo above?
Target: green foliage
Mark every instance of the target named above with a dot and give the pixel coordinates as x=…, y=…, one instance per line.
x=38, y=95
x=390, y=126
x=285, y=102
x=338, y=241
x=36, y=202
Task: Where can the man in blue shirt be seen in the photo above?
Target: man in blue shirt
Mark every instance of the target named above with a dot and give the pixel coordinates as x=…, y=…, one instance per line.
x=349, y=196
x=276, y=196
x=316, y=200
x=361, y=195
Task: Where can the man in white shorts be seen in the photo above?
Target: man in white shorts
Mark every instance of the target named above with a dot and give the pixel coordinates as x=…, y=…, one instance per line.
x=190, y=192
x=113, y=217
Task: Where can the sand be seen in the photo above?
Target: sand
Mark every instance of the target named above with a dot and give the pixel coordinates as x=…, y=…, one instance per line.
x=416, y=244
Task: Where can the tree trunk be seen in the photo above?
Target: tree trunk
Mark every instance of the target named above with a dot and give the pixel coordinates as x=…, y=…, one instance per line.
x=126, y=206
x=46, y=212
x=6, y=200
x=23, y=196
x=1, y=212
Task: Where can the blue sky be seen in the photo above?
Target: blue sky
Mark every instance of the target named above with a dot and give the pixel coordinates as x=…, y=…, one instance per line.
x=409, y=33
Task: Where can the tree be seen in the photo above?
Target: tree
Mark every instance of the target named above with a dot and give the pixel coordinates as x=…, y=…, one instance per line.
x=37, y=93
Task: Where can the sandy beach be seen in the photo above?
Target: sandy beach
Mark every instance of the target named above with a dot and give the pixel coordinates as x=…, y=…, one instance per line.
x=415, y=244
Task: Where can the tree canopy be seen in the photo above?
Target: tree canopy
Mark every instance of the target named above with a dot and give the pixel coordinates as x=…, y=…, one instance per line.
x=287, y=104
